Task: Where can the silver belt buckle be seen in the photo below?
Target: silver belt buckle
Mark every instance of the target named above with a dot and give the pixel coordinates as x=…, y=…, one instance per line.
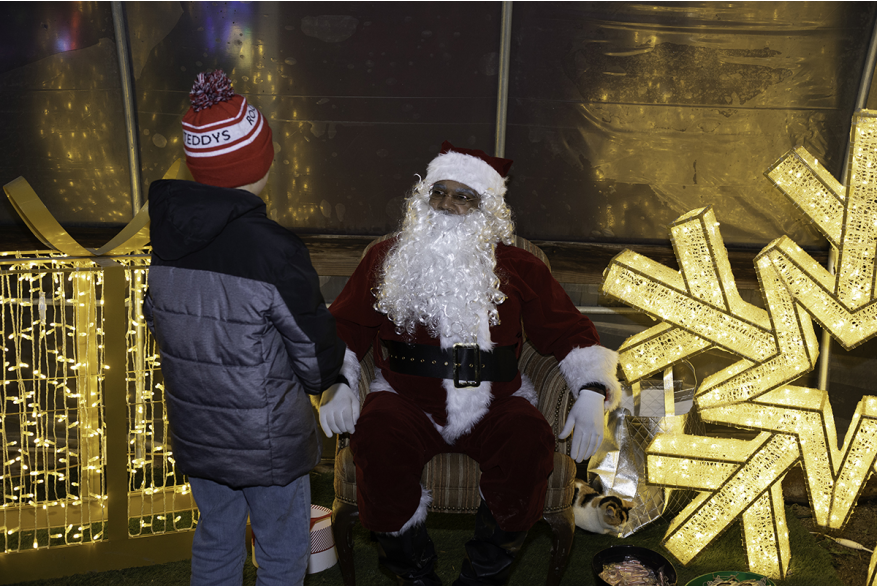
x=457, y=365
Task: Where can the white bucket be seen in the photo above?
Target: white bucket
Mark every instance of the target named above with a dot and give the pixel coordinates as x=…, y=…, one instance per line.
x=323, y=554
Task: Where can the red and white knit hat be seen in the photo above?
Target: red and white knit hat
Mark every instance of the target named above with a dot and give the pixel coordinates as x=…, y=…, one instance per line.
x=227, y=141
x=473, y=167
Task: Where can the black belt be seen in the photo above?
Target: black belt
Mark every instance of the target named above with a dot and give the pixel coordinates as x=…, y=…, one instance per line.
x=466, y=364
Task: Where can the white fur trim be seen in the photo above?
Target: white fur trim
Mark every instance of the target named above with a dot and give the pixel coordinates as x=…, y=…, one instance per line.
x=527, y=391
x=435, y=424
x=351, y=369
x=466, y=406
x=485, y=343
x=380, y=383
x=472, y=171
x=419, y=516
x=593, y=364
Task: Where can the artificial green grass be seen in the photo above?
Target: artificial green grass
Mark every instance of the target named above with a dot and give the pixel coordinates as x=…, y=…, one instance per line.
x=811, y=564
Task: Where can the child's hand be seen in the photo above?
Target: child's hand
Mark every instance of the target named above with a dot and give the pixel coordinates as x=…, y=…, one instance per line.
x=339, y=410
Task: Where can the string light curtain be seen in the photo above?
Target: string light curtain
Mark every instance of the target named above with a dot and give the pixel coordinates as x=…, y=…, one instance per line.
x=160, y=498
x=52, y=419
x=53, y=422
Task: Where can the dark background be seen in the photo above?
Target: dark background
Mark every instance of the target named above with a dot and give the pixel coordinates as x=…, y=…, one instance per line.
x=622, y=116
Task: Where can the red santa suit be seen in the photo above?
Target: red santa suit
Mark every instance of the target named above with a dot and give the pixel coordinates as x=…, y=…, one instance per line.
x=407, y=419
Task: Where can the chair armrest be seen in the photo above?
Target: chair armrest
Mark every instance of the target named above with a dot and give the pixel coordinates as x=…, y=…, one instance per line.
x=555, y=400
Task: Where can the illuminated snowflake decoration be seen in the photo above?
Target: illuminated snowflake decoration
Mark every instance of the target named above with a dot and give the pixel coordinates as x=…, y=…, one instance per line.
x=699, y=308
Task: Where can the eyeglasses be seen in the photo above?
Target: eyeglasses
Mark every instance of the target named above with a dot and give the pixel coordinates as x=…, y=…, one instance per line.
x=462, y=197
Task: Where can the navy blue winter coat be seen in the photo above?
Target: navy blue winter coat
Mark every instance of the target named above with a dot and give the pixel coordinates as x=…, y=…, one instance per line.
x=243, y=334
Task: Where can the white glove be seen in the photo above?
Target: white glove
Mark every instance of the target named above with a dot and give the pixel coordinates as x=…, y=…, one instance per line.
x=339, y=410
x=586, y=417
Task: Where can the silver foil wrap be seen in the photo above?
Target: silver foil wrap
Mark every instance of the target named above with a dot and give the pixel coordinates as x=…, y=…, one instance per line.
x=618, y=466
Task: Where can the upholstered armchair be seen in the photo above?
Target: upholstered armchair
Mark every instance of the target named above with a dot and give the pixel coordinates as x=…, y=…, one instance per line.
x=453, y=478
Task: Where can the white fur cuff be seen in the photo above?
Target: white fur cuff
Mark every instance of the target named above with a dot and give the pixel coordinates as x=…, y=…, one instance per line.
x=593, y=364
x=350, y=370
x=527, y=391
x=419, y=516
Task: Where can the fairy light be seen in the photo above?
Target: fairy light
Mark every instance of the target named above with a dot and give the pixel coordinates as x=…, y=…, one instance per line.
x=841, y=303
x=41, y=470
x=153, y=476
x=743, y=478
x=52, y=435
x=701, y=308
x=51, y=317
x=698, y=308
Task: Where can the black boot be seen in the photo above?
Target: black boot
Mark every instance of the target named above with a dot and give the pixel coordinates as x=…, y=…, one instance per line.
x=489, y=555
x=410, y=556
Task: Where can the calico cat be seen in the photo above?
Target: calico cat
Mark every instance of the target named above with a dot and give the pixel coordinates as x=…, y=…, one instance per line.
x=600, y=514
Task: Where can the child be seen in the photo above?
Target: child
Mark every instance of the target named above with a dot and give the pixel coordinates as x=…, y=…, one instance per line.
x=244, y=335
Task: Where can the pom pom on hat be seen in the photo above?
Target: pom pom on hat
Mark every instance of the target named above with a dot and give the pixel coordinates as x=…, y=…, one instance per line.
x=227, y=141
x=210, y=89
x=473, y=167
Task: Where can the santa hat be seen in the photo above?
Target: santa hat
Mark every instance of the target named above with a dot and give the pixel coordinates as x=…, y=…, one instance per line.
x=476, y=169
x=227, y=141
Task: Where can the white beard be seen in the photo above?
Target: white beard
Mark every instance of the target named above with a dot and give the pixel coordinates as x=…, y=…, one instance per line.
x=440, y=275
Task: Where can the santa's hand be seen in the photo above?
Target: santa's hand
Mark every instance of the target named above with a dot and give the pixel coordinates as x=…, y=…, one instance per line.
x=339, y=410
x=586, y=417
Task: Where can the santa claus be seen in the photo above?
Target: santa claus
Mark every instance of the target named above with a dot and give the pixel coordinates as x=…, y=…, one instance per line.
x=445, y=304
